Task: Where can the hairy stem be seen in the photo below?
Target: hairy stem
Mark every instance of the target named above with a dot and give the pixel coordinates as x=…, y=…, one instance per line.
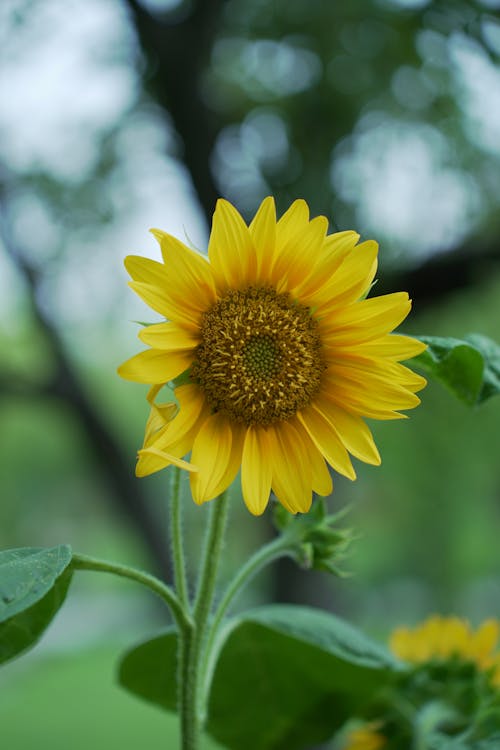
x=192, y=644
x=177, y=540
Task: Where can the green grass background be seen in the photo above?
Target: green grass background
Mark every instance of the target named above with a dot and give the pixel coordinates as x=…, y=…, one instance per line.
x=71, y=701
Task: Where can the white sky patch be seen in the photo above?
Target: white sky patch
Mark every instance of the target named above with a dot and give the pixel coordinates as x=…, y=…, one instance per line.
x=266, y=68
x=478, y=82
x=396, y=176
x=33, y=228
x=66, y=76
x=90, y=287
x=69, y=76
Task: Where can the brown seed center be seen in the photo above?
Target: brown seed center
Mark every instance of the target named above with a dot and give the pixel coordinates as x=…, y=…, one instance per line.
x=260, y=357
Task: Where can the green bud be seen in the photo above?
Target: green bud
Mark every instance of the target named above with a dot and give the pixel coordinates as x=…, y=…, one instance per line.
x=316, y=541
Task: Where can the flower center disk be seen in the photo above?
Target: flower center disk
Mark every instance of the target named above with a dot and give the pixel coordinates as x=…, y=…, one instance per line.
x=260, y=358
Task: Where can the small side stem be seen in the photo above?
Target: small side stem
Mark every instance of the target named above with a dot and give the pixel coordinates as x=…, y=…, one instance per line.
x=269, y=553
x=272, y=551
x=176, y=538
x=84, y=562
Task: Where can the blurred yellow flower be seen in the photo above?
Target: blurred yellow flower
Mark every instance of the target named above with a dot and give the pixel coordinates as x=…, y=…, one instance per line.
x=364, y=738
x=285, y=356
x=443, y=638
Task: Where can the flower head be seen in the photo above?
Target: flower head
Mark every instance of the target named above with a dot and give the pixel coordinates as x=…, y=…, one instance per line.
x=441, y=639
x=281, y=355
x=448, y=688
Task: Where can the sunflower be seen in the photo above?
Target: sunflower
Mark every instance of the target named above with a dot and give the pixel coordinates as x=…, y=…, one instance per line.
x=281, y=355
x=446, y=638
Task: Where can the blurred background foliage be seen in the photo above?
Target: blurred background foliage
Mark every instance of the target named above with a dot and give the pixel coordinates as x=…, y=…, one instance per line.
x=120, y=115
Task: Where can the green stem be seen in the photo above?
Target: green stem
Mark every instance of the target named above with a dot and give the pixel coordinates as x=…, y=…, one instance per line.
x=272, y=551
x=83, y=562
x=190, y=729
x=210, y=561
x=176, y=539
x=428, y=720
x=192, y=643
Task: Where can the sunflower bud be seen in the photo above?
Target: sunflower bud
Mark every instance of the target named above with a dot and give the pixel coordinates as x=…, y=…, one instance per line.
x=316, y=540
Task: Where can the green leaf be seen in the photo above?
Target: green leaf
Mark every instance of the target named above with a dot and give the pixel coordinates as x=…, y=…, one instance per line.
x=139, y=672
x=469, y=368
x=442, y=742
x=33, y=585
x=491, y=743
x=491, y=355
x=287, y=677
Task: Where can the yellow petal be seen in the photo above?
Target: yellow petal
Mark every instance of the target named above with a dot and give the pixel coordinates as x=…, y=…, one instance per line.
x=365, y=320
x=324, y=438
x=256, y=470
x=189, y=274
x=357, y=401
x=339, y=244
x=350, y=281
x=392, y=346
x=152, y=460
x=149, y=463
x=153, y=392
x=357, y=366
x=298, y=258
x=155, y=366
x=191, y=414
x=294, y=221
x=183, y=313
x=381, y=391
x=457, y=636
x=365, y=738
x=169, y=337
x=484, y=640
x=146, y=271
x=230, y=248
x=321, y=478
x=292, y=488
x=352, y=431
x=234, y=463
x=401, y=643
x=335, y=248
x=160, y=416
x=211, y=454
x=263, y=233
x=152, y=296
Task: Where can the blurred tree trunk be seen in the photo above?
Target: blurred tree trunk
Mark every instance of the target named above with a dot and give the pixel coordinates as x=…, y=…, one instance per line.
x=124, y=489
x=177, y=53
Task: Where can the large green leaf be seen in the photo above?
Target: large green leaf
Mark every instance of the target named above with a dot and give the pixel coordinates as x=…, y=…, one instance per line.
x=470, y=368
x=150, y=670
x=287, y=677
x=33, y=585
